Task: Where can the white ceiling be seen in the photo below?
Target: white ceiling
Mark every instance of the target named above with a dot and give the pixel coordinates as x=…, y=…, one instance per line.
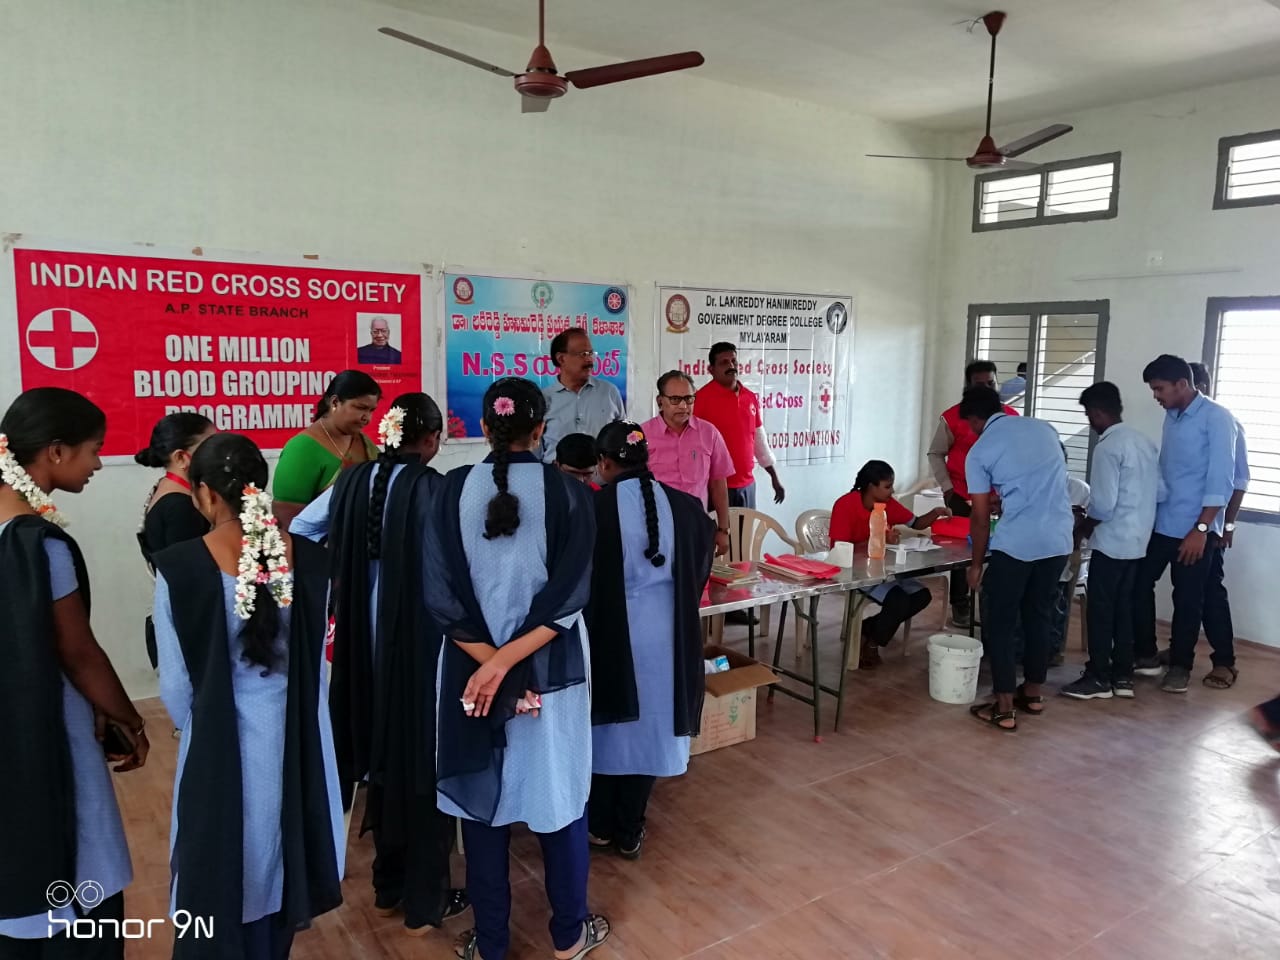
x=907, y=60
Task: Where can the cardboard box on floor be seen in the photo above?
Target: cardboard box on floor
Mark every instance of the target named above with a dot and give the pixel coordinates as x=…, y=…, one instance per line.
x=729, y=711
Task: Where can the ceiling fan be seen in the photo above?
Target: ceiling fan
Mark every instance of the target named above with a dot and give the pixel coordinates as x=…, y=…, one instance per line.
x=988, y=156
x=540, y=83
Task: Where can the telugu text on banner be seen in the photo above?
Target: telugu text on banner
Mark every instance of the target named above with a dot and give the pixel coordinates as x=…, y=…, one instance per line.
x=251, y=345
x=503, y=327
x=794, y=351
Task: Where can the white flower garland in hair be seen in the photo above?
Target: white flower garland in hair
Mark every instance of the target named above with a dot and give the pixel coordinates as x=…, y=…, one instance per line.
x=391, y=429
x=11, y=472
x=261, y=539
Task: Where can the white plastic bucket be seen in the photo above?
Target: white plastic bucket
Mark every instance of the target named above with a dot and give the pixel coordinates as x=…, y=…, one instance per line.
x=953, y=667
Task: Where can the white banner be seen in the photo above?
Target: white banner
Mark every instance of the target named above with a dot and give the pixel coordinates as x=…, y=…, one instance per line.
x=794, y=351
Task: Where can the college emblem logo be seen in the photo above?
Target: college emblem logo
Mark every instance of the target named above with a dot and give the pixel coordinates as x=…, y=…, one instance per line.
x=542, y=294
x=825, y=397
x=837, y=317
x=62, y=339
x=677, y=313
x=615, y=300
x=463, y=290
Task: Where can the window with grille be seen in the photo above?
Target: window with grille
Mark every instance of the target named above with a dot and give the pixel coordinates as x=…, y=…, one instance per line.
x=1242, y=351
x=1248, y=170
x=1063, y=346
x=1065, y=192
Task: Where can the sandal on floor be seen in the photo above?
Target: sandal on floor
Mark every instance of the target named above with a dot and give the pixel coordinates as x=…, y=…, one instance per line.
x=598, y=844
x=465, y=947
x=1221, y=678
x=993, y=718
x=598, y=930
x=457, y=903
x=1032, y=706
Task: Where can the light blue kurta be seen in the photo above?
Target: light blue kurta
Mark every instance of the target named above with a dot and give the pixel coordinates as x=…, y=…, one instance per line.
x=260, y=717
x=102, y=854
x=546, y=774
x=647, y=746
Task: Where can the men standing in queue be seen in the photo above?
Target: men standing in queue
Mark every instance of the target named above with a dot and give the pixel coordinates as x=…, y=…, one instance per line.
x=688, y=453
x=1020, y=459
x=951, y=443
x=1118, y=523
x=577, y=402
x=735, y=411
x=1197, y=466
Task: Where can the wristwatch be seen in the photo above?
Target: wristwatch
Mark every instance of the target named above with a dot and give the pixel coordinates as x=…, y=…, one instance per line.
x=1229, y=527
x=1202, y=528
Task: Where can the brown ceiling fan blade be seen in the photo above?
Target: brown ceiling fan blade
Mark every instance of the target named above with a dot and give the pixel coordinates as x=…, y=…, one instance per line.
x=1037, y=139
x=534, y=104
x=1023, y=165
x=899, y=156
x=445, y=51
x=633, y=69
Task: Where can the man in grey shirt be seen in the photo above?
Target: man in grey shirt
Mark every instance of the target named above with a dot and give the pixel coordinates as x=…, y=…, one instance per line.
x=577, y=402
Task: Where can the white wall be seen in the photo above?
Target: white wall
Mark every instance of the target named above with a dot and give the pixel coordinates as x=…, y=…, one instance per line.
x=1169, y=151
x=292, y=127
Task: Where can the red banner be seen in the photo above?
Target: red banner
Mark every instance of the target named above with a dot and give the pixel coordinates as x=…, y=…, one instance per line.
x=249, y=345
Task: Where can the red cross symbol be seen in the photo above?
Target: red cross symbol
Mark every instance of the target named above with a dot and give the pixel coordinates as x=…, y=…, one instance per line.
x=825, y=397
x=62, y=339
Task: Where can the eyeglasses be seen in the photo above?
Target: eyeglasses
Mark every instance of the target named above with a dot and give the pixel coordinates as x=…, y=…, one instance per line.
x=685, y=401
x=582, y=354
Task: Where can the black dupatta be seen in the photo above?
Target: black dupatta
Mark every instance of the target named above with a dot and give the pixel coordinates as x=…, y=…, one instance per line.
x=383, y=706
x=470, y=749
x=37, y=811
x=208, y=851
x=613, y=680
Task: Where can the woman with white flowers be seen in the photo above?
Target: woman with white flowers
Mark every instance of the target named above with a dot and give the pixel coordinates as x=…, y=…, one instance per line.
x=384, y=660
x=256, y=836
x=63, y=854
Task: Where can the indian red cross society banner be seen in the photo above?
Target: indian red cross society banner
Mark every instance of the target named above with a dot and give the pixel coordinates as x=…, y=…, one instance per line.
x=251, y=345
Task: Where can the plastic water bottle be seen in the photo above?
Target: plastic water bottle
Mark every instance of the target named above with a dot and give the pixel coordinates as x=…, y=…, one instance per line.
x=879, y=532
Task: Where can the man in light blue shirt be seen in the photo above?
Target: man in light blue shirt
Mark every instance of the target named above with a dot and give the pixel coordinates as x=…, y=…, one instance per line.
x=1197, y=466
x=1020, y=459
x=577, y=402
x=1014, y=387
x=1122, y=511
x=1218, y=627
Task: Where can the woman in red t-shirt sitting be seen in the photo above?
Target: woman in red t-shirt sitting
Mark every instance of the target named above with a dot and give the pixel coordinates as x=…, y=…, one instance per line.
x=851, y=522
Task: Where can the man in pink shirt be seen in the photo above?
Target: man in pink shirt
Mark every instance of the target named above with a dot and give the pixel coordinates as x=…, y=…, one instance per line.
x=689, y=454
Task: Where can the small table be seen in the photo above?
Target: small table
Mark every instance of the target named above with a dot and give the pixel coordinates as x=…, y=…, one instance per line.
x=804, y=595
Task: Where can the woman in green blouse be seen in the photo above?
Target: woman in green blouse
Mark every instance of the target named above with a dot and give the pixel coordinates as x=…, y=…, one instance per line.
x=312, y=460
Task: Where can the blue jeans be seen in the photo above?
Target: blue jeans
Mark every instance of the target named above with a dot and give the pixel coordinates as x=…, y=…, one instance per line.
x=565, y=857
x=743, y=496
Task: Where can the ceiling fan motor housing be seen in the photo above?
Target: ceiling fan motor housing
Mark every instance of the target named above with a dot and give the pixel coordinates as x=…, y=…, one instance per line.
x=544, y=86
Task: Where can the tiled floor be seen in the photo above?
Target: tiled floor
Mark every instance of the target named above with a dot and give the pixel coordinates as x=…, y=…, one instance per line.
x=1119, y=829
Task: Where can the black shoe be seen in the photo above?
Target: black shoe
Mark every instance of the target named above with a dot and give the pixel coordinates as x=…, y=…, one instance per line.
x=742, y=618
x=1122, y=688
x=1088, y=687
x=632, y=852
x=1148, y=667
x=1176, y=680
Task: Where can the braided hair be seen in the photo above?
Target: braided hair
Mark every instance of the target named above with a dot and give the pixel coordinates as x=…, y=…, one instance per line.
x=226, y=463
x=422, y=418
x=624, y=443
x=872, y=473
x=513, y=409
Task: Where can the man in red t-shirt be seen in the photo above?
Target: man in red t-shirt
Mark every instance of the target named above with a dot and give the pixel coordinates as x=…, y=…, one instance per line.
x=951, y=443
x=735, y=411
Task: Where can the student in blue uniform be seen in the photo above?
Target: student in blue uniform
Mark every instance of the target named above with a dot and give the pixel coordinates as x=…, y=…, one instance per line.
x=514, y=726
x=62, y=846
x=385, y=650
x=256, y=837
x=652, y=559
